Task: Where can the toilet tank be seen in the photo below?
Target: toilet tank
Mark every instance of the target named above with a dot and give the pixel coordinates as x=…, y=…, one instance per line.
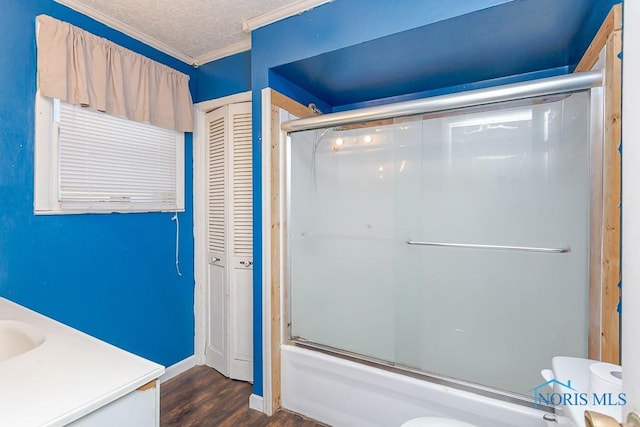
x=574, y=392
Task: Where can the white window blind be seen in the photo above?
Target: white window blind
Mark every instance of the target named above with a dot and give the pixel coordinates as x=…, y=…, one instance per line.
x=103, y=163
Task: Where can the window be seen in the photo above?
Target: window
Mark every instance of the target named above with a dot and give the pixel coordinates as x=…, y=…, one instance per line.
x=87, y=161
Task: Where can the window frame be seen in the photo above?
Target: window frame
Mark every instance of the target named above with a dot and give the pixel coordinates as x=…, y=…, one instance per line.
x=46, y=172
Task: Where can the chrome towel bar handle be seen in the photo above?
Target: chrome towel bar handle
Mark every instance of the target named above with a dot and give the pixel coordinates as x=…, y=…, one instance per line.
x=562, y=250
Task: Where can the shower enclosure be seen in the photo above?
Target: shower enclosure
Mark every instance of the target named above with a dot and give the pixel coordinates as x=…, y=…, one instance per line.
x=450, y=238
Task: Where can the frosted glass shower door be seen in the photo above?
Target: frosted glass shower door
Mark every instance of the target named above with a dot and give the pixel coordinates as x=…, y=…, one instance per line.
x=345, y=220
x=509, y=177
x=404, y=240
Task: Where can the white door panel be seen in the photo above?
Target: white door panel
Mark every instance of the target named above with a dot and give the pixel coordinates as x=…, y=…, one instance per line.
x=241, y=244
x=216, y=351
x=230, y=241
x=241, y=350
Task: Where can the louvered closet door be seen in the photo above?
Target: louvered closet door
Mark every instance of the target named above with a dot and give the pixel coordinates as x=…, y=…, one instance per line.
x=217, y=353
x=240, y=243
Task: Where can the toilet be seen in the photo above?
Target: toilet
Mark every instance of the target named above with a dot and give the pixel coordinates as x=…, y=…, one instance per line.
x=585, y=379
x=435, y=422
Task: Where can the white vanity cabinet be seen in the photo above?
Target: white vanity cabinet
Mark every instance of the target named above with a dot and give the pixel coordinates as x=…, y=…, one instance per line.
x=68, y=378
x=139, y=408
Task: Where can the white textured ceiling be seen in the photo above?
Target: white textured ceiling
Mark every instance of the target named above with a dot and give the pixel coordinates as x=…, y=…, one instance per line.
x=192, y=30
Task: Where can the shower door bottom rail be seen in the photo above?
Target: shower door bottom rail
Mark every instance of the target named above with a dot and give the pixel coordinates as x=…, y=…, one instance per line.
x=398, y=368
x=562, y=250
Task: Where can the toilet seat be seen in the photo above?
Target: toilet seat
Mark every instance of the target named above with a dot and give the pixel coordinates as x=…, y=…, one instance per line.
x=435, y=422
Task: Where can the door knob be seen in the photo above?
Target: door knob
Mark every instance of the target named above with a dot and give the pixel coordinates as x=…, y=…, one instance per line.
x=246, y=263
x=213, y=259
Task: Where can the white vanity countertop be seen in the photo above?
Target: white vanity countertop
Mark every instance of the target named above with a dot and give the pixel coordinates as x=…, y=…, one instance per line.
x=68, y=376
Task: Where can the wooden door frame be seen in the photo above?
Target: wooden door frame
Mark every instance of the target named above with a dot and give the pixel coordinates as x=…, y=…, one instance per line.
x=604, y=266
x=272, y=291
x=199, y=216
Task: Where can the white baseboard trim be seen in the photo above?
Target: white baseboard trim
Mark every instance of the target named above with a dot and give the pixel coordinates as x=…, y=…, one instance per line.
x=256, y=402
x=178, y=368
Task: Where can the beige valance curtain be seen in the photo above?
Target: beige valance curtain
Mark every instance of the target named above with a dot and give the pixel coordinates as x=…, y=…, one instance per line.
x=81, y=68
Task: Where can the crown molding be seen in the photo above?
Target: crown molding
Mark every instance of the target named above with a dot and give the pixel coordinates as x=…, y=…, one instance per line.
x=248, y=25
x=126, y=29
x=291, y=9
x=221, y=53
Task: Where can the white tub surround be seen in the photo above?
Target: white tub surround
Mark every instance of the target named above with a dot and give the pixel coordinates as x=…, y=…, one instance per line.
x=348, y=394
x=68, y=376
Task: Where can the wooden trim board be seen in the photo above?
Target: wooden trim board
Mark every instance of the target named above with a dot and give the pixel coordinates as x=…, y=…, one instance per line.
x=613, y=22
x=276, y=309
x=278, y=102
x=604, y=330
x=612, y=186
x=288, y=104
x=148, y=386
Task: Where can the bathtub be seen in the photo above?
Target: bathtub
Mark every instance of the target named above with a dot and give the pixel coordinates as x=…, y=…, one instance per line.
x=344, y=393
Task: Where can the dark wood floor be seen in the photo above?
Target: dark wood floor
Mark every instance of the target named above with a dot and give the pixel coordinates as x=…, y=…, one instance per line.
x=203, y=397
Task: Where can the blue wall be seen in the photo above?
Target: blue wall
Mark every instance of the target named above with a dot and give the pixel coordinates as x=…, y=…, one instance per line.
x=226, y=76
x=112, y=276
